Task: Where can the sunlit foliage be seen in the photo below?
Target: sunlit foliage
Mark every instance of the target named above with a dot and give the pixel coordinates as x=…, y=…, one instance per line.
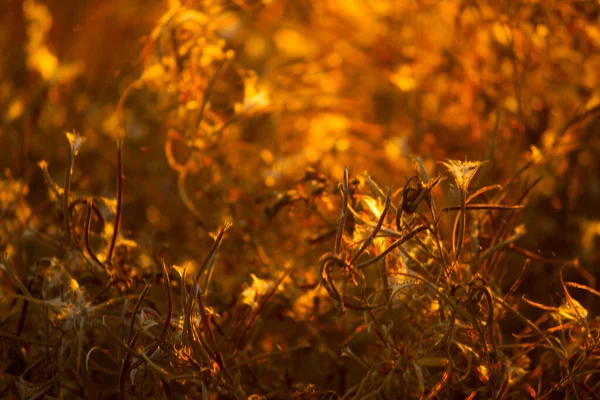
x=245, y=199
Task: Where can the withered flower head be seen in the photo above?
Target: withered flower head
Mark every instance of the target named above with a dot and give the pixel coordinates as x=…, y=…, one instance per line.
x=463, y=171
x=75, y=142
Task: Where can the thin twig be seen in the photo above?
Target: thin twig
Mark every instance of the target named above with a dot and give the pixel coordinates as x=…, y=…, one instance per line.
x=88, y=246
x=119, y=202
x=377, y=227
x=338, y=238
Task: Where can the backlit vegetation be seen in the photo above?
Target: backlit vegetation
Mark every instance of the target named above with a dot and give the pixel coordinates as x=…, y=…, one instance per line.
x=359, y=199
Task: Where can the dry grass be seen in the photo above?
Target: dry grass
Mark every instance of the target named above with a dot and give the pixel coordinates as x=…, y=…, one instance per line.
x=210, y=233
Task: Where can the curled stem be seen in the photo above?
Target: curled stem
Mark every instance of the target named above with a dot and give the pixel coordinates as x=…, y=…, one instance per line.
x=88, y=246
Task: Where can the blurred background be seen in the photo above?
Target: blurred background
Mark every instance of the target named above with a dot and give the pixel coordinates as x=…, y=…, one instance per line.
x=225, y=107
x=320, y=84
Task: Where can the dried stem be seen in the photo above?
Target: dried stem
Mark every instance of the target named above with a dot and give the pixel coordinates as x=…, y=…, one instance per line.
x=340, y=231
x=118, y=211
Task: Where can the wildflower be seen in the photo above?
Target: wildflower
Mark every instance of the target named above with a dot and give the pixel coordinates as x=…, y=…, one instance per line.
x=463, y=171
x=251, y=295
x=75, y=142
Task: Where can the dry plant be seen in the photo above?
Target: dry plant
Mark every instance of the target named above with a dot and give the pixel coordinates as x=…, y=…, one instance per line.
x=209, y=232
